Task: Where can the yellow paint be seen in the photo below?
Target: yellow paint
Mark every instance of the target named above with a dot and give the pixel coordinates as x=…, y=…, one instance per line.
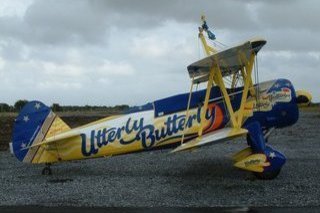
x=69, y=148
x=238, y=117
x=208, y=49
x=57, y=147
x=306, y=94
x=220, y=83
x=187, y=112
x=58, y=126
x=219, y=135
x=99, y=121
x=254, y=163
x=234, y=80
x=249, y=67
x=205, y=107
x=242, y=154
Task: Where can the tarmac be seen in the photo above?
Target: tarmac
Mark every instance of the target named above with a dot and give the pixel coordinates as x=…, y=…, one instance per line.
x=201, y=178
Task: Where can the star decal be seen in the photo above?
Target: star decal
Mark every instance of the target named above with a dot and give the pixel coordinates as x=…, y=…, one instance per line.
x=37, y=106
x=272, y=155
x=26, y=118
x=23, y=145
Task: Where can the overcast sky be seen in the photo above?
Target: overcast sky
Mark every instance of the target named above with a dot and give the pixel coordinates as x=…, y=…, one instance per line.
x=132, y=52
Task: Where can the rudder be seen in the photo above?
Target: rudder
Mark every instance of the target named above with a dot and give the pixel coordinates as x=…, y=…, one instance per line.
x=34, y=123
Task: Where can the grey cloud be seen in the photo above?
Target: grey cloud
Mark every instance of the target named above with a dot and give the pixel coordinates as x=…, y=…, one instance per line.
x=65, y=19
x=85, y=34
x=57, y=22
x=296, y=15
x=225, y=14
x=300, y=68
x=85, y=22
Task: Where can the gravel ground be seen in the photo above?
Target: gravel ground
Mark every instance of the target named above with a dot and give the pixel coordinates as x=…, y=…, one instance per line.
x=202, y=178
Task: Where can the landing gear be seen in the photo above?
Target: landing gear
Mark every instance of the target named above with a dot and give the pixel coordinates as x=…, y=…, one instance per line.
x=47, y=170
x=257, y=141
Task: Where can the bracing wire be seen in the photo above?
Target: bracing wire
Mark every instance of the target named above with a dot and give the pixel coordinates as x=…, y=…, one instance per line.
x=258, y=89
x=215, y=43
x=222, y=44
x=218, y=44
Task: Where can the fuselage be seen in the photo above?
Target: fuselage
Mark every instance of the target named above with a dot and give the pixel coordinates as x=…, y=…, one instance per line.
x=162, y=123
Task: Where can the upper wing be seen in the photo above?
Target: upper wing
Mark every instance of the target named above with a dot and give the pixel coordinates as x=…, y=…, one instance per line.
x=229, y=60
x=207, y=139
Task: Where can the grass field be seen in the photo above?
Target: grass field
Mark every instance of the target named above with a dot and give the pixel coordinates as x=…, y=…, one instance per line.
x=315, y=108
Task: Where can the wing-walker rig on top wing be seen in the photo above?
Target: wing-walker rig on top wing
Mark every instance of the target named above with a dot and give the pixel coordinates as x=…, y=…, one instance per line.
x=231, y=106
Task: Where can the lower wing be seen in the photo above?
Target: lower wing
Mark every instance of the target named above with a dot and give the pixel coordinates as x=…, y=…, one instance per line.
x=210, y=138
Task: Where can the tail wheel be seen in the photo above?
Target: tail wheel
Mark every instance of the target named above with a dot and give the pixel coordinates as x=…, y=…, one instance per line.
x=47, y=171
x=269, y=175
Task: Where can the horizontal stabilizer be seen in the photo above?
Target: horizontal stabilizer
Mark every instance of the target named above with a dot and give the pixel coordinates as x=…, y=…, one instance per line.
x=219, y=135
x=55, y=139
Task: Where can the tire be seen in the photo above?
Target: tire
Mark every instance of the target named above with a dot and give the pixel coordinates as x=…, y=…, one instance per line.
x=46, y=171
x=249, y=141
x=267, y=175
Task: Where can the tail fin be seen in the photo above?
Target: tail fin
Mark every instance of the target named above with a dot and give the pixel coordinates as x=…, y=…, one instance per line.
x=34, y=123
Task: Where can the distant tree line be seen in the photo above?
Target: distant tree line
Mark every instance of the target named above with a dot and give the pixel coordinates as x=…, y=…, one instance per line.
x=18, y=105
x=15, y=108
x=72, y=108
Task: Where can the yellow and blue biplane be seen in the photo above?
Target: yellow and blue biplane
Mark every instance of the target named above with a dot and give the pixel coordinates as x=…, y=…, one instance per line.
x=231, y=106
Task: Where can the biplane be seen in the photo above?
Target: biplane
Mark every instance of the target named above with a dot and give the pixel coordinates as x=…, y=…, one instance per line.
x=231, y=105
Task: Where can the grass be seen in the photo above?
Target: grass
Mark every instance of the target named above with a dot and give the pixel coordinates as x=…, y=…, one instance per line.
x=8, y=114
x=310, y=108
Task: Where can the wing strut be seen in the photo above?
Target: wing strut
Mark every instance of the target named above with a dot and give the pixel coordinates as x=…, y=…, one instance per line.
x=187, y=112
x=236, y=61
x=206, y=102
x=226, y=97
x=247, y=83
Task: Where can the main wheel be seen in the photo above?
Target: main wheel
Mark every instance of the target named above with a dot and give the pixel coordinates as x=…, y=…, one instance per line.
x=46, y=171
x=267, y=175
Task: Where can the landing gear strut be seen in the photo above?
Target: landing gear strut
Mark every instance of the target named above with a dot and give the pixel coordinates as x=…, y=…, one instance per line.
x=47, y=170
x=256, y=140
